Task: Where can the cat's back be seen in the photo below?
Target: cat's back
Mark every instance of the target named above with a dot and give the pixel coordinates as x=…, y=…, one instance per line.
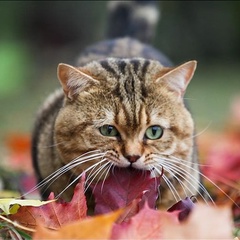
x=123, y=47
x=42, y=137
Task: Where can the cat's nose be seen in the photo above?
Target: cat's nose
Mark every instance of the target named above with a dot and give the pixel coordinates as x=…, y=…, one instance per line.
x=132, y=158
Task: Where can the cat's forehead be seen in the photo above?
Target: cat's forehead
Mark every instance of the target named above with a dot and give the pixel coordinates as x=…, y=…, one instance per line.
x=124, y=67
x=129, y=94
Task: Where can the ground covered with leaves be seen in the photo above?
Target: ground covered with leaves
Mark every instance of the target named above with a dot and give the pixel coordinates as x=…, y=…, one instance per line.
x=125, y=209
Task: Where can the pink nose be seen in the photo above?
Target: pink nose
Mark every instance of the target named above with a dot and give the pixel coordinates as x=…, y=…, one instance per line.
x=132, y=158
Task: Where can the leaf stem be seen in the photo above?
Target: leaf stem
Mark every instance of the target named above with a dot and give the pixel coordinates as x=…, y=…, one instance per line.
x=15, y=224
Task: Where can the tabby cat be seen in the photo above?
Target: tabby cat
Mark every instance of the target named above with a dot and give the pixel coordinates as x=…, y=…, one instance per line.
x=121, y=106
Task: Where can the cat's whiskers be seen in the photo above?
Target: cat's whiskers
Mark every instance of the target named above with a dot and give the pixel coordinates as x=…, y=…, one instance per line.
x=107, y=173
x=172, y=167
x=214, y=184
x=80, y=175
x=169, y=184
x=104, y=169
x=74, y=163
x=52, y=145
x=94, y=174
x=176, y=171
x=86, y=157
x=174, y=161
x=201, y=132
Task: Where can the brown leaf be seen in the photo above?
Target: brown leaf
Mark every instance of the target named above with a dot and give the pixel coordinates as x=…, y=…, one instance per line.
x=54, y=215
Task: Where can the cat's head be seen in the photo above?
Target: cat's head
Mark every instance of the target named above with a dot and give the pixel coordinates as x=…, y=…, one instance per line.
x=132, y=110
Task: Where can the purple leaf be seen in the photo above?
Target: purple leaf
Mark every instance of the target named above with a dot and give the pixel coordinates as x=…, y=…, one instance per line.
x=122, y=187
x=184, y=207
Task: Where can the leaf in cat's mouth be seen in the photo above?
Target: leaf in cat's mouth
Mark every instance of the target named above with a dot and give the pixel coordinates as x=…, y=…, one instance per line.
x=122, y=187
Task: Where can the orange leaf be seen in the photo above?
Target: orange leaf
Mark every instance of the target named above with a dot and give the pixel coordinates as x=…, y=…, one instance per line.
x=98, y=227
x=19, y=152
x=19, y=143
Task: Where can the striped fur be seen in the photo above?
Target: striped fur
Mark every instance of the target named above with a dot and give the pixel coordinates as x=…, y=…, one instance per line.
x=127, y=94
x=131, y=86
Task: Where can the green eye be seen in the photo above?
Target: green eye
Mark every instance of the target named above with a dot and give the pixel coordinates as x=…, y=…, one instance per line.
x=109, y=131
x=154, y=132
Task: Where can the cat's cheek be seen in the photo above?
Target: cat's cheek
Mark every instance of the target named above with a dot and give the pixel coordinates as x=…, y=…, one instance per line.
x=122, y=162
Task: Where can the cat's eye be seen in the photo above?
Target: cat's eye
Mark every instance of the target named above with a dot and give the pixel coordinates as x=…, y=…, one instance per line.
x=154, y=132
x=109, y=131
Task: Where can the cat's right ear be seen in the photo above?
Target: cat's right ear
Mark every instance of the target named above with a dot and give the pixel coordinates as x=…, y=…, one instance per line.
x=73, y=80
x=178, y=78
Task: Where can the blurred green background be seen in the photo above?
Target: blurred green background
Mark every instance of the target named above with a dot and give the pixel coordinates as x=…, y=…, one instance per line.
x=37, y=35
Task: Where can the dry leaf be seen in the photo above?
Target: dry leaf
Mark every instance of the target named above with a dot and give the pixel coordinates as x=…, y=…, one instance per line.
x=204, y=222
x=98, y=227
x=54, y=215
x=147, y=224
x=184, y=207
x=11, y=205
x=123, y=186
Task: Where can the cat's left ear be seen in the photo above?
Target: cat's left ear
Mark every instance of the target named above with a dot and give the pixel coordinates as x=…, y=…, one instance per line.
x=73, y=80
x=178, y=78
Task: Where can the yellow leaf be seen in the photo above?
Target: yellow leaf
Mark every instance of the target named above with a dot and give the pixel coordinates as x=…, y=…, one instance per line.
x=11, y=205
x=98, y=227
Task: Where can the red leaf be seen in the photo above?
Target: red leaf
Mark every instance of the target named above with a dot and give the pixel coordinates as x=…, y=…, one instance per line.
x=122, y=187
x=184, y=207
x=54, y=215
x=222, y=163
x=204, y=222
x=147, y=224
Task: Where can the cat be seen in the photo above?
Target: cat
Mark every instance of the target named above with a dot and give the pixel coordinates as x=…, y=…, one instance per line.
x=121, y=105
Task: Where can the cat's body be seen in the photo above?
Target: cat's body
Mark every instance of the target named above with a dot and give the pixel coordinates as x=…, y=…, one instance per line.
x=121, y=107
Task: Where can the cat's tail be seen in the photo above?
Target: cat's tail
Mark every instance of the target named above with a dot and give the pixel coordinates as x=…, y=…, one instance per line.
x=136, y=19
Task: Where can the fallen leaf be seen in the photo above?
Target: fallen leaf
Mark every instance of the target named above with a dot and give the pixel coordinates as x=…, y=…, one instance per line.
x=147, y=224
x=222, y=162
x=54, y=214
x=129, y=211
x=184, y=207
x=11, y=205
x=98, y=227
x=204, y=222
x=123, y=186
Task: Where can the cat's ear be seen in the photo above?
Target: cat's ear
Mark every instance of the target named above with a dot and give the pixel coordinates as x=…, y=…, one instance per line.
x=178, y=78
x=73, y=80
